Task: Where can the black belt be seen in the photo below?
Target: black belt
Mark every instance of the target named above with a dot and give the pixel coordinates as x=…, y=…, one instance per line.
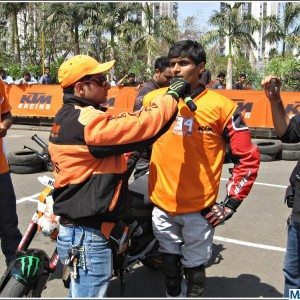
x=67, y=222
x=88, y=222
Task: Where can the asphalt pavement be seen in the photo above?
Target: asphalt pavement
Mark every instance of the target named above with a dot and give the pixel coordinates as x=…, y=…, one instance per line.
x=248, y=250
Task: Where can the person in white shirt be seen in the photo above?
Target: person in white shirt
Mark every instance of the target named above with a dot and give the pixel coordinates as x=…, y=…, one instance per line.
x=5, y=78
x=26, y=79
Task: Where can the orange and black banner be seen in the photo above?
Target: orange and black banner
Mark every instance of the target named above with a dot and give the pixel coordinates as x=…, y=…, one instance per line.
x=45, y=100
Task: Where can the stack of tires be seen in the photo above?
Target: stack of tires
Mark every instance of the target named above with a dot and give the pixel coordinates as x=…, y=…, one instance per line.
x=25, y=162
x=290, y=151
x=271, y=150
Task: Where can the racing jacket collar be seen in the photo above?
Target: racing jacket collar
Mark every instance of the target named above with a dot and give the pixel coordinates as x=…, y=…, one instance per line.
x=75, y=100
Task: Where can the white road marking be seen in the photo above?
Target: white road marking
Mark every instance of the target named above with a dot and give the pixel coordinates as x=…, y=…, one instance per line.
x=14, y=136
x=218, y=238
x=248, y=244
x=265, y=184
x=29, y=198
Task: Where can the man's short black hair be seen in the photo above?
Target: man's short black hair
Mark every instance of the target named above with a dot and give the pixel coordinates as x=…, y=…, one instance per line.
x=221, y=74
x=26, y=73
x=162, y=63
x=131, y=75
x=243, y=75
x=188, y=48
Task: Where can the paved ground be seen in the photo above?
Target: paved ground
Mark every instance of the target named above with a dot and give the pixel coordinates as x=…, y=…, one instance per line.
x=248, y=250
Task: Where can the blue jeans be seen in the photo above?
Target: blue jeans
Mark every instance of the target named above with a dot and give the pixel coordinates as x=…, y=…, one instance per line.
x=9, y=233
x=92, y=282
x=291, y=268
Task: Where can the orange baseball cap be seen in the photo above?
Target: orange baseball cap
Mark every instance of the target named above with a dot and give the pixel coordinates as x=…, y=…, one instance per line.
x=79, y=66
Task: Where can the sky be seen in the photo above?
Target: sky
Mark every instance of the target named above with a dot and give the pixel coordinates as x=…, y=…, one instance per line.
x=201, y=9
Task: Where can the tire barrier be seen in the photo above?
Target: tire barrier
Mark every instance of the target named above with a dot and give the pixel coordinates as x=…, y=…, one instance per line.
x=270, y=150
x=290, y=155
x=291, y=147
x=290, y=151
x=24, y=162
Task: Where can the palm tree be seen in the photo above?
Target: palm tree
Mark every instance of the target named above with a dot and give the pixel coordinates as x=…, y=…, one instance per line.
x=11, y=11
x=154, y=34
x=70, y=17
x=113, y=18
x=285, y=28
x=234, y=27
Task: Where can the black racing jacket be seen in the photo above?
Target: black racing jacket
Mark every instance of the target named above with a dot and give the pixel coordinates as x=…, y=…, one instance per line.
x=87, y=147
x=292, y=135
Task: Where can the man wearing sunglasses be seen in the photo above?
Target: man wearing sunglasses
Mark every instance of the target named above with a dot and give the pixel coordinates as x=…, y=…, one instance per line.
x=87, y=146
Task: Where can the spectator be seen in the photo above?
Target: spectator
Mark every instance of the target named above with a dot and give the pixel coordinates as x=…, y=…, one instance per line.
x=220, y=84
x=5, y=78
x=128, y=80
x=46, y=78
x=185, y=174
x=9, y=232
x=288, y=131
x=86, y=145
x=205, y=77
x=26, y=79
x=161, y=78
x=111, y=79
x=241, y=84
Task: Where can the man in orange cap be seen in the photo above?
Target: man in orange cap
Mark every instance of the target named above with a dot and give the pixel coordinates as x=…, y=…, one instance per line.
x=86, y=146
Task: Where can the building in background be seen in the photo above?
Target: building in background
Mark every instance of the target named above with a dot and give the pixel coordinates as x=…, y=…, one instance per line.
x=163, y=9
x=258, y=10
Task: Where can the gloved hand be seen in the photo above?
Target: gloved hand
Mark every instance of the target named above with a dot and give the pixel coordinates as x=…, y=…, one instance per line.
x=218, y=214
x=179, y=88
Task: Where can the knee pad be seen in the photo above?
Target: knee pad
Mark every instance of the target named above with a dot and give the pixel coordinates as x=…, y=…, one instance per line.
x=173, y=271
x=196, y=281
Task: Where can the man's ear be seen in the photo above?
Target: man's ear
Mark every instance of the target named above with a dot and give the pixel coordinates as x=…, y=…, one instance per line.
x=156, y=72
x=78, y=89
x=201, y=67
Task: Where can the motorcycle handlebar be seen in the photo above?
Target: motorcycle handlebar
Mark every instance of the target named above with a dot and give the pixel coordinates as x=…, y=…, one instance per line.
x=40, y=142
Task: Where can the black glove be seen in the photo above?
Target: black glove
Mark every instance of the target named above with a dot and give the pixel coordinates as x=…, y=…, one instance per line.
x=222, y=211
x=179, y=88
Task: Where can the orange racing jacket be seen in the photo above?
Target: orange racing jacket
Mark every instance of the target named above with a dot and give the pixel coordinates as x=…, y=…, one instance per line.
x=186, y=162
x=86, y=147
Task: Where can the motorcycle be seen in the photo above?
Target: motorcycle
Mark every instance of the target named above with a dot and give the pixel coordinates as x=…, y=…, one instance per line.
x=132, y=242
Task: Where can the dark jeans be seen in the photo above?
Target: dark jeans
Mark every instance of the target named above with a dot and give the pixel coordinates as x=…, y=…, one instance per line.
x=291, y=268
x=9, y=232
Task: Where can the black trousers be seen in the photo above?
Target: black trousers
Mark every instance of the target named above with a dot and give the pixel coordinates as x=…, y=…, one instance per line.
x=10, y=235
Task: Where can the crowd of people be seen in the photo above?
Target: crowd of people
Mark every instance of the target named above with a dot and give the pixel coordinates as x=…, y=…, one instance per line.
x=27, y=78
x=89, y=148
x=129, y=80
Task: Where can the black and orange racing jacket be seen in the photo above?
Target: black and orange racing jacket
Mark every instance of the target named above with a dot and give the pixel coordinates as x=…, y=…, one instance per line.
x=87, y=147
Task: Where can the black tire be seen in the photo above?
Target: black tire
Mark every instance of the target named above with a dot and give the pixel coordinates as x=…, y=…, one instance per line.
x=47, y=167
x=13, y=289
x=267, y=157
x=153, y=262
x=23, y=158
x=29, y=169
x=291, y=146
x=268, y=146
x=290, y=155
